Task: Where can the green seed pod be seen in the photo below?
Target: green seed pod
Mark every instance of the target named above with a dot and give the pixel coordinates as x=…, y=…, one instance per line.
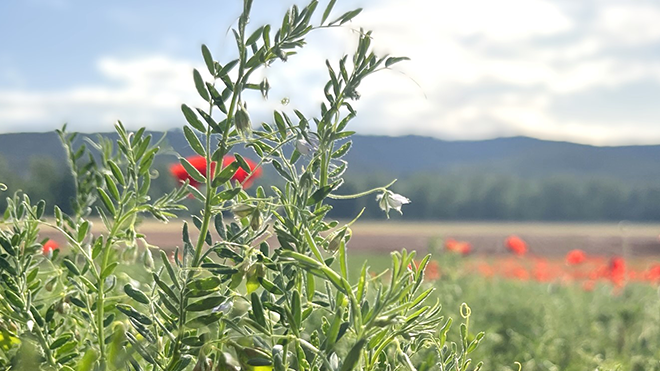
x=242, y=120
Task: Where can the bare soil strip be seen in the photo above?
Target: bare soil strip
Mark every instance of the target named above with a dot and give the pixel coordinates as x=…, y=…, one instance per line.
x=543, y=239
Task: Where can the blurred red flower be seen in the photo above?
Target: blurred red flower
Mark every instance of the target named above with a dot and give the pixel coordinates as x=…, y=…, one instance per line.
x=516, y=245
x=48, y=248
x=199, y=163
x=617, y=270
x=653, y=273
x=460, y=247
x=432, y=272
x=575, y=257
x=589, y=285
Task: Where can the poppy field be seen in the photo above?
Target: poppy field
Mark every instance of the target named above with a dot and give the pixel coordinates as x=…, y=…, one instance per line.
x=579, y=311
x=549, y=309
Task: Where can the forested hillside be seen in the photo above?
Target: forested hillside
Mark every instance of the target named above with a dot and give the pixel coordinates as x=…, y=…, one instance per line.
x=501, y=179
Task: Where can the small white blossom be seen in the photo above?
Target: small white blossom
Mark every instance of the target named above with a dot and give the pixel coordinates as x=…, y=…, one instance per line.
x=389, y=200
x=307, y=148
x=30, y=324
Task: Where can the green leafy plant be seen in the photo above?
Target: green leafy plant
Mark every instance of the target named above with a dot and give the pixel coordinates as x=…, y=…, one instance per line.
x=232, y=298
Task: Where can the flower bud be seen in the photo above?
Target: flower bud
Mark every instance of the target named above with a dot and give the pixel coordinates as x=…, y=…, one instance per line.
x=256, y=220
x=242, y=210
x=337, y=238
x=147, y=259
x=242, y=120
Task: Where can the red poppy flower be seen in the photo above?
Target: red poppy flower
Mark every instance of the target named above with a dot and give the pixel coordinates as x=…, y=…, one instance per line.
x=432, y=271
x=516, y=245
x=653, y=273
x=199, y=163
x=460, y=247
x=575, y=257
x=617, y=270
x=48, y=248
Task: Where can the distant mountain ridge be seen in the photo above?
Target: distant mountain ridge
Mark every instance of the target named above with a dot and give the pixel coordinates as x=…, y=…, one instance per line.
x=402, y=156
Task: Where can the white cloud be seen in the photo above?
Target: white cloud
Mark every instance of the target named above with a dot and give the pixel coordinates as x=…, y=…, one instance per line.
x=143, y=91
x=629, y=24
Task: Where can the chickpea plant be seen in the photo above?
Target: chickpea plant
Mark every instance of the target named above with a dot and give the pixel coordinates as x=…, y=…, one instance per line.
x=232, y=298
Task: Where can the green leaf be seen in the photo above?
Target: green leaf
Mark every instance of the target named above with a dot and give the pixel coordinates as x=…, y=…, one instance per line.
x=208, y=59
x=192, y=171
x=77, y=302
x=208, y=283
x=7, y=246
x=88, y=360
x=199, y=85
x=136, y=294
x=343, y=260
x=226, y=174
x=393, y=60
x=112, y=187
x=71, y=267
x=210, y=121
x=14, y=299
x=106, y=200
x=61, y=340
x=108, y=270
x=228, y=67
x=192, y=119
x=281, y=125
x=296, y=309
x=343, y=134
x=281, y=171
x=362, y=283
x=205, y=304
x=242, y=163
x=320, y=194
x=219, y=224
x=203, y=321
x=310, y=287
x=353, y=356
x=270, y=287
x=333, y=332
x=229, y=194
x=169, y=269
x=194, y=142
x=82, y=231
x=134, y=314
x=257, y=309
x=255, y=36
x=327, y=11
x=342, y=150
x=41, y=206
x=165, y=288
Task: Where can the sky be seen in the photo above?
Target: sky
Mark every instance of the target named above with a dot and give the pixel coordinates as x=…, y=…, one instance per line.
x=584, y=71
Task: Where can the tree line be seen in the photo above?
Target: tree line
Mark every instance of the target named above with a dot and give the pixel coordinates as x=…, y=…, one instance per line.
x=454, y=196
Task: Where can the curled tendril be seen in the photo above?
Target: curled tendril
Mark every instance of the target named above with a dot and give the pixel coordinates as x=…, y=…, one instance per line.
x=3, y=187
x=465, y=310
x=519, y=365
x=153, y=174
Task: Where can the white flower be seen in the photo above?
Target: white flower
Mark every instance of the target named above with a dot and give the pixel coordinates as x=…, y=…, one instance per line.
x=389, y=200
x=307, y=148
